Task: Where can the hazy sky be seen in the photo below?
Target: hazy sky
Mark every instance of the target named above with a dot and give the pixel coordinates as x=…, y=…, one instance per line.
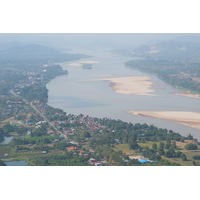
x=90, y=40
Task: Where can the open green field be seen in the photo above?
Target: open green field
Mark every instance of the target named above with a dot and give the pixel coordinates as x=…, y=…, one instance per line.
x=149, y=144
x=15, y=156
x=124, y=148
x=189, y=161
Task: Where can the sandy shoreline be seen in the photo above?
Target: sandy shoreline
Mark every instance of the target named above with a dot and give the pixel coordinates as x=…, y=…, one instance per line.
x=191, y=119
x=79, y=64
x=136, y=85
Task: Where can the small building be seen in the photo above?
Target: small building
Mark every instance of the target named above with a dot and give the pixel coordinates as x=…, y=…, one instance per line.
x=98, y=164
x=91, y=160
x=71, y=148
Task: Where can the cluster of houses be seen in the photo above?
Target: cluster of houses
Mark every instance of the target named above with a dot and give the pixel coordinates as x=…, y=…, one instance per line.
x=92, y=161
x=11, y=108
x=85, y=122
x=31, y=78
x=10, y=103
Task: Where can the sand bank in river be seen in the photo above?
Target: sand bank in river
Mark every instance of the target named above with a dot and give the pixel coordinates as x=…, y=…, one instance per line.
x=187, y=94
x=191, y=119
x=136, y=85
x=79, y=64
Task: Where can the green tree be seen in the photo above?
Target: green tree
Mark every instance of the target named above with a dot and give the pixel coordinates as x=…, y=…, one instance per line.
x=183, y=156
x=168, y=145
x=87, y=134
x=182, y=139
x=161, y=152
x=161, y=145
x=191, y=146
x=154, y=146
x=173, y=145
x=134, y=145
x=125, y=140
x=189, y=137
x=8, y=128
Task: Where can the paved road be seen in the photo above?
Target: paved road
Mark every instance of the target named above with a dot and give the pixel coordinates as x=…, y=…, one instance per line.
x=40, y=113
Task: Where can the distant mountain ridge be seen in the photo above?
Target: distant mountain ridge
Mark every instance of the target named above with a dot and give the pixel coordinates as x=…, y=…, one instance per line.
x=7, y=45
x=29, y=49
x=33, y=52
x=172, y=49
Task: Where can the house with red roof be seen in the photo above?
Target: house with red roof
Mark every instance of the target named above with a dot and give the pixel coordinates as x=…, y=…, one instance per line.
x=71, y=148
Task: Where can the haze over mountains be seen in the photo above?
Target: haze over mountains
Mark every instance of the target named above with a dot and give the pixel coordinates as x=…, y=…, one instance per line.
x=66, y=41
x=18, y=47
x=170, y=50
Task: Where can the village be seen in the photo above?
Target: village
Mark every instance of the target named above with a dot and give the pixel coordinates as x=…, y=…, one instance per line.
x=60, y=124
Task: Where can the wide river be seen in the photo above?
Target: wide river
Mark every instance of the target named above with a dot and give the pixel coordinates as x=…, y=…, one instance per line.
x=98, y=99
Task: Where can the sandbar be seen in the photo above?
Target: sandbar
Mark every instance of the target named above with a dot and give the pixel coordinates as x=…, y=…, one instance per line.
x=187, y=94
x=191, y=119
x=79, y=64
x=135, y=85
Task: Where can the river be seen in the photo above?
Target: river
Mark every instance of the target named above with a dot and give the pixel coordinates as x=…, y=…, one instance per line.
x=97, y=99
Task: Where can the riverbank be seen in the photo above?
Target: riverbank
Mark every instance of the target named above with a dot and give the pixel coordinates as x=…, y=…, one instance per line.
x=135, y=85
x=190, y=119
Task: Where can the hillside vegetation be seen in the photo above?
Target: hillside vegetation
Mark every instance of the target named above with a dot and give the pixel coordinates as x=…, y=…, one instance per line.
x=175, y=62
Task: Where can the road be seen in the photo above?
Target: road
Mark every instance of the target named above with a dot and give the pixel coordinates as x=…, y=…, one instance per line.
x=40, y=113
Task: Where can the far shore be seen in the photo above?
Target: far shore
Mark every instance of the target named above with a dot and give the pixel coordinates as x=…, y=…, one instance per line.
x=191, y=119
x=135, y=85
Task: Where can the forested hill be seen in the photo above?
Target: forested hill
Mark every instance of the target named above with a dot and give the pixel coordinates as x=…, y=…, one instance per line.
x=30, y=49
x=31, y=52
x=175, y=62
x=177, y=50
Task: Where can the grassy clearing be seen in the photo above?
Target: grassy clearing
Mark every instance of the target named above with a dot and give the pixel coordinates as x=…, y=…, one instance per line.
x=149, y=144
x=179, y=161
x=181, y=145
x=124, y=148
x=190, y=154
